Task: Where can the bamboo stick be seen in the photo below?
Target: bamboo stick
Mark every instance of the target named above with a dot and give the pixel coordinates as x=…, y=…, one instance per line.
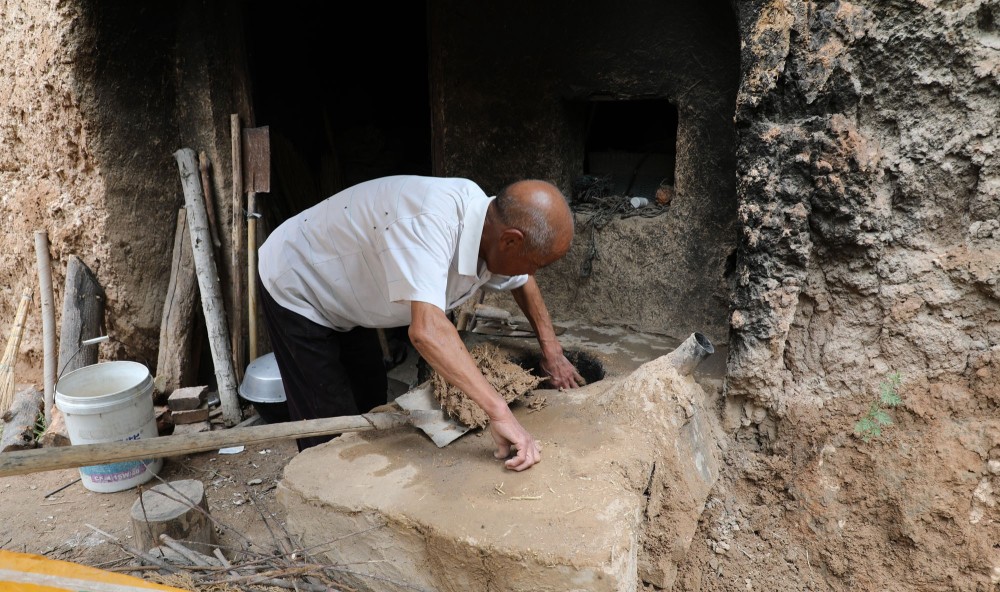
x=10, y=353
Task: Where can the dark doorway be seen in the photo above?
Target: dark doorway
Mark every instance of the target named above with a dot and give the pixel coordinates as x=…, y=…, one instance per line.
x=343, y=92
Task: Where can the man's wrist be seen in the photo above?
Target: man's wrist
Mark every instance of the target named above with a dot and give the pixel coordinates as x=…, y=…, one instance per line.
x=498, y=410
x=551, y=349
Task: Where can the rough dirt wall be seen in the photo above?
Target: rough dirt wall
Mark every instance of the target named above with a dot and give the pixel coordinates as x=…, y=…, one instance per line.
x=92, y=116
x=869, y=199
x=49, y=177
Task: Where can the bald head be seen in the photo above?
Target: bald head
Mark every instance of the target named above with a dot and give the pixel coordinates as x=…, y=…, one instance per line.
x=540, y=211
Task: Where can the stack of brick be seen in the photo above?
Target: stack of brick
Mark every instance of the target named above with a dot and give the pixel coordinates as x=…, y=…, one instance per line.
x=189, y=410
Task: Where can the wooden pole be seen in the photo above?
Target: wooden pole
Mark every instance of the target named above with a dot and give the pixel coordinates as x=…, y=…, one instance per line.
x=82, y=455
x=208, y=283
x=48, y=320
x=238, y=235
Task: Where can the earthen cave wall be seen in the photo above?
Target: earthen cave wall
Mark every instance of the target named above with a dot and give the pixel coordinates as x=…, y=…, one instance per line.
x=869, y=199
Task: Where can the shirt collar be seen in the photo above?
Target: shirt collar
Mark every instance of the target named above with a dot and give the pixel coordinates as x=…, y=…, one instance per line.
x=472, y=234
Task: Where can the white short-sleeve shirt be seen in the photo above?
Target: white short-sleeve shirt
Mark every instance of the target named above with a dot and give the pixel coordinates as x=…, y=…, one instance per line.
x=359, y=257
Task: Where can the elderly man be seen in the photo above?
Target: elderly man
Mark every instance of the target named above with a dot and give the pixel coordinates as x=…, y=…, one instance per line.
x=400, y=251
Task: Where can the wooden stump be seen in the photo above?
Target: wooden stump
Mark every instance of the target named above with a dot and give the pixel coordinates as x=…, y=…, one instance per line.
x=56, y=433
x=19, y=421
x=178, y=509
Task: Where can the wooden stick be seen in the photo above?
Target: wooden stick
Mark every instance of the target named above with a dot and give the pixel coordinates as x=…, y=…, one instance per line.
x=48, y=320
x=206, y=190
x=208, y=283
x=236, y=256
x=196, y=558
x=252, y=272
x=10, y=353
x=82, y=455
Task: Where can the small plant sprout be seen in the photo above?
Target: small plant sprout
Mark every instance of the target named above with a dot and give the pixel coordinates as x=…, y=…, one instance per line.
x=871, y=424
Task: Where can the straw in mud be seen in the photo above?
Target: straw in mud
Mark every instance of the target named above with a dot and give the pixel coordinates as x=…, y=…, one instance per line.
x=10, y=354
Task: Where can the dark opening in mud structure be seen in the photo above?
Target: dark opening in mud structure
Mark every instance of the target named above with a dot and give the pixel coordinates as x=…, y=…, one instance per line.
x=587, y=365
x=630, y=145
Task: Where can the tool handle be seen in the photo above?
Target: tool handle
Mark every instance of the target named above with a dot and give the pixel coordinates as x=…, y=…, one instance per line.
x=492, y=313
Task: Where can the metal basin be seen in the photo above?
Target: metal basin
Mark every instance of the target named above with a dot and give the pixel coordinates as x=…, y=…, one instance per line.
x=262, y=387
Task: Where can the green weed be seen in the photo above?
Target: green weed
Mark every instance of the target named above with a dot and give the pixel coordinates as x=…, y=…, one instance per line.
x=871, y=424
x=39, y=425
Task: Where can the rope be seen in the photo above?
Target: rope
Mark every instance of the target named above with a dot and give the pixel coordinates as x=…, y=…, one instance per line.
x=591, y=198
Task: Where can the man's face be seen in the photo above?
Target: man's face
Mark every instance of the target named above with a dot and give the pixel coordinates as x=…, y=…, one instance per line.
x=515, y=263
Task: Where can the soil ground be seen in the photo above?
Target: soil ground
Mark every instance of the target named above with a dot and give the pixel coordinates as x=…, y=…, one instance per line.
x=64, y=525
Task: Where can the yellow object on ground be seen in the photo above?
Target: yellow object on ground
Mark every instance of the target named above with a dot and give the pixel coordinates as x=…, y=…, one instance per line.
x=24, y=572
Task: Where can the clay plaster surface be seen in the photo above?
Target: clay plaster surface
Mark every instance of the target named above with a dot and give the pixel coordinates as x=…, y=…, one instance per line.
x=453, y=518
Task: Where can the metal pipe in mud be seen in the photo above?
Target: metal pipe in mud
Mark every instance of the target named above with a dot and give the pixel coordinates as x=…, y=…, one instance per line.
x=690, y=353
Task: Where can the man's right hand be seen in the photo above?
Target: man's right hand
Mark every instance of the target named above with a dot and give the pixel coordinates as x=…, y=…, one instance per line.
x=509, y=435
x=435, y=337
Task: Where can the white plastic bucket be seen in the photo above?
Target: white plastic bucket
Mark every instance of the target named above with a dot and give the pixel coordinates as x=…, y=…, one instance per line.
x=110, y=402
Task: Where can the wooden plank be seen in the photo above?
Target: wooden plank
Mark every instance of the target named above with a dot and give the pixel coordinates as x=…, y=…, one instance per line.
x=82, y=317
x=175, y=366
x=257, y=160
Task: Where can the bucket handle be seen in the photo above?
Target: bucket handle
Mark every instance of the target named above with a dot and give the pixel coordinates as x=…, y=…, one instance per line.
x=83, y=344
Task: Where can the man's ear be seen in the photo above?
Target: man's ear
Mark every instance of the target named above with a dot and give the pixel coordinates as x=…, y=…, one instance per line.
x=511, y=238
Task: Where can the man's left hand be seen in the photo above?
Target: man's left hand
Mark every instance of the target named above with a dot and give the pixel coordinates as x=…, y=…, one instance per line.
x=562, y=373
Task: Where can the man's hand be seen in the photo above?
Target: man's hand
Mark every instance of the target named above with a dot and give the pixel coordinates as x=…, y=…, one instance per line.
x=433, y=335
x=509, y=435
x=562, y=373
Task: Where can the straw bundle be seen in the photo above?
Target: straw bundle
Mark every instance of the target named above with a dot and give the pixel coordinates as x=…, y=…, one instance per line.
x=10, y=354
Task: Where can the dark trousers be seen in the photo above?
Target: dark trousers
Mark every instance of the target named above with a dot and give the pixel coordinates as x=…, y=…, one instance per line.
x=325, y=373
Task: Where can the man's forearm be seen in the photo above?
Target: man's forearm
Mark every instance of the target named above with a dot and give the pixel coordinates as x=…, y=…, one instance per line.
x=529, y=299
x=438, y=342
